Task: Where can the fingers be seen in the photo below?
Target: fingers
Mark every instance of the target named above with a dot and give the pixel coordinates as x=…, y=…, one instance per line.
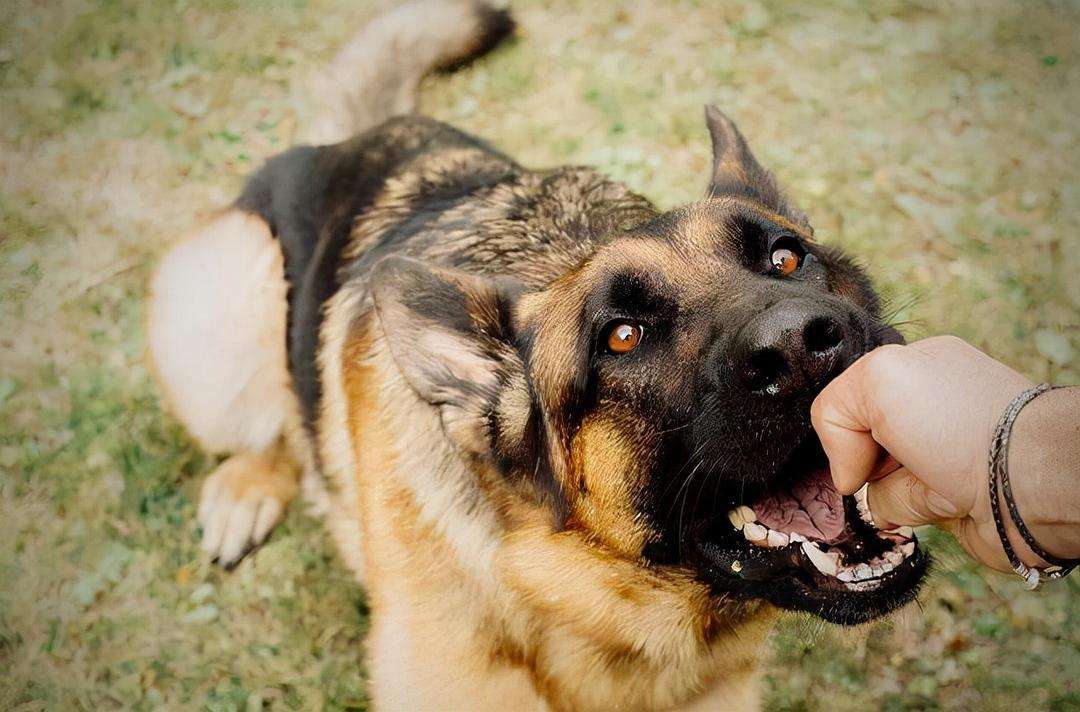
x=844, y=420
x=839, y=416
x=900, y=499
x=886, y=466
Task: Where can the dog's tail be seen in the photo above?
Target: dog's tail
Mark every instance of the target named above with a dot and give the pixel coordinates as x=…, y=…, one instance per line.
x=376, y=74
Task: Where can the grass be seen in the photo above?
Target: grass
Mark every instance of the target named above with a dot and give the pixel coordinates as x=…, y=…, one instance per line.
x=939, y=144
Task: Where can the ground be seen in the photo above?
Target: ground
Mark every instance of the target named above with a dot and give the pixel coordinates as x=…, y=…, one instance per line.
x=937, y=141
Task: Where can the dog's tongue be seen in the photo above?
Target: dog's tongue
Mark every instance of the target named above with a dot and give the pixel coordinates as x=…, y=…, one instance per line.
x=813, y=508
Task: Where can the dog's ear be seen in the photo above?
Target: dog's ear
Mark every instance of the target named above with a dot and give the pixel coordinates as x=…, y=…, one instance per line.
x=451, y=334
x=735, y=171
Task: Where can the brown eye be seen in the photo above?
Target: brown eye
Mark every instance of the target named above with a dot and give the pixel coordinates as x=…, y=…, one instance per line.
x=784, y=260
x=624, y=337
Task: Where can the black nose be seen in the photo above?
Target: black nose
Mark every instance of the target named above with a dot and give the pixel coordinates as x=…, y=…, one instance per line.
x=793, y=347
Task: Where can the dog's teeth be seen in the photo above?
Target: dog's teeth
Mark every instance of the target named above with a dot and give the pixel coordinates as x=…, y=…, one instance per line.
x=777, y=539
x=823, y=562
x=862, y=505
x=741, y=516
x=755, y=532
x=862, y=571
x=863, y=585
x=877, y=570
x=894, y=557
x=846, y=575
x=795, y=536
x=908, y=549
x=887, y=566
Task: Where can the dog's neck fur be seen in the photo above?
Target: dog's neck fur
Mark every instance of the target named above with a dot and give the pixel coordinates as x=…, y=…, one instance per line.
x=475, y=596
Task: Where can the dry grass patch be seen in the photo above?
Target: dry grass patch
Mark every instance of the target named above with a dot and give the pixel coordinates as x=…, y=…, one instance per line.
x=936, y=141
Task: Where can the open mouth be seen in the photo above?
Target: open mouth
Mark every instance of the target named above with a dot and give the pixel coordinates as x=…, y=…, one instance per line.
x=804, y=546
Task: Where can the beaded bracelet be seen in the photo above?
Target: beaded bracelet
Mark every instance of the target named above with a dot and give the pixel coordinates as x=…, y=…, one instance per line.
x=999, y=470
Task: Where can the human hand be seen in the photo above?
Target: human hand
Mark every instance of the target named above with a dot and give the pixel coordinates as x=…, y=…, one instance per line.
x=916, y=422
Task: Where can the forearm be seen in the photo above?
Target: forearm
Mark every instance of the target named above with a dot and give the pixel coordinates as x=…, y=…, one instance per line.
x=1044, y=469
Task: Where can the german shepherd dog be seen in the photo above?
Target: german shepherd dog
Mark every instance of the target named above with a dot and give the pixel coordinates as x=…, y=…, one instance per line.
x=562, y=438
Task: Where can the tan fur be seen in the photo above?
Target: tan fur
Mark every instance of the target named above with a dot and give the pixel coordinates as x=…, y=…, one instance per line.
x=425, y=570
x=243, y=499
x=216, y=341
x=607, y=466
x=481, y=599
x=216, y=335
x=478, y=603
x=336, y=446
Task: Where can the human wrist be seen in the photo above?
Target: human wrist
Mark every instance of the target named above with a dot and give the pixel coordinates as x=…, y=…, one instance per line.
x=1044, y=470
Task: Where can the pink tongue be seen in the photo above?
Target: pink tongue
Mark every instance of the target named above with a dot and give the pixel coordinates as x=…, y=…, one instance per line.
x=813, y=508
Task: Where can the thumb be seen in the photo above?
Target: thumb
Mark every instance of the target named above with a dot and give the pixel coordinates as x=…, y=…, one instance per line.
x=842, y=424
x=901, y=499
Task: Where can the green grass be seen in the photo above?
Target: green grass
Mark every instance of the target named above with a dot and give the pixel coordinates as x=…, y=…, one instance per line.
x=939, y=146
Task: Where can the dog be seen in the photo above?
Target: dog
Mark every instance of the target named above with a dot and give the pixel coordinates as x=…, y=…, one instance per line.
x=561, y=437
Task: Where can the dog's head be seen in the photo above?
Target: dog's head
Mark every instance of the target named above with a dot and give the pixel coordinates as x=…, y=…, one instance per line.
x=656, y=398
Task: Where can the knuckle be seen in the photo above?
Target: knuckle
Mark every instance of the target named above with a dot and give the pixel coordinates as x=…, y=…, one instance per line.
x=883, y=362
x=883, y=373
x=948, y=343
x=885, y=356
x=824, y=410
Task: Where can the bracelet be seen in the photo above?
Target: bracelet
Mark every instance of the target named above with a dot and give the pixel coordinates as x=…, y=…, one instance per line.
x=999, y=469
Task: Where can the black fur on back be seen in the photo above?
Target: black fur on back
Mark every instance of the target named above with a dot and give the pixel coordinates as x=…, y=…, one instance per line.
x=312, y=196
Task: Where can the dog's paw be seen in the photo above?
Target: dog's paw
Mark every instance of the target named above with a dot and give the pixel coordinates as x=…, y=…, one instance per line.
x=240, y=503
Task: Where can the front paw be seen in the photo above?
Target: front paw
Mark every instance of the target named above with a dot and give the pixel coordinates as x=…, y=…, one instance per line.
x=241, y=502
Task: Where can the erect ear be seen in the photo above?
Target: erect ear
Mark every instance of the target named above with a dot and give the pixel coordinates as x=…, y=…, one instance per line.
x=451, y=335
x=735, y=171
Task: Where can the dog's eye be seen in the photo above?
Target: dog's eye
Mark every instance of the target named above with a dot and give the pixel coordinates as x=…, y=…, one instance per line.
x=786, y=256
x=624, y=336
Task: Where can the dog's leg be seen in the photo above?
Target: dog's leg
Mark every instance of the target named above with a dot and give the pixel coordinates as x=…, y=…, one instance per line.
x=243, y=499
x=216, y=337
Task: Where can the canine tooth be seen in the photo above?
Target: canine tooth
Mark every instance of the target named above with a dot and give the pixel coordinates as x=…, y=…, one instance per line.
x=862, y=505
x=862, y=571
x=755, y=532
x=777, y=539
x=908, y=549
x=822, y=562
x=748, y=514
x=796, y=536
